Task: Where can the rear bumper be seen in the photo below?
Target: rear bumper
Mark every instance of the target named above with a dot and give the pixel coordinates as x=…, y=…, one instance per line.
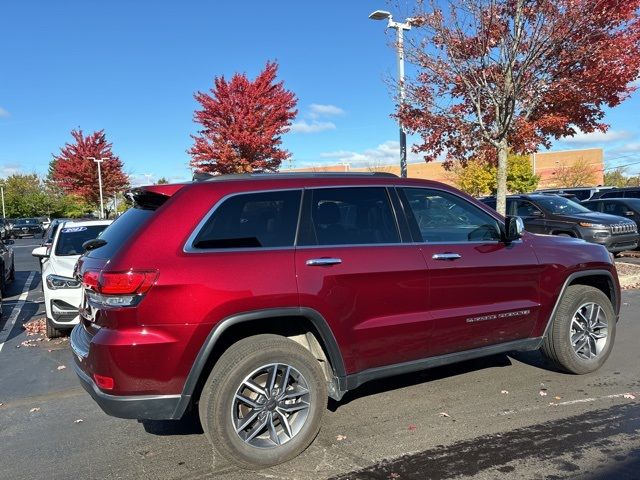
x=141, y=407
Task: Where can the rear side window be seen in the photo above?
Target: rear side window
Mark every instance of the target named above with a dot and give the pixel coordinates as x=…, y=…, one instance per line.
x=612, y=195
x=252, y=220
x=71, y=239
x=120, y=231
x=348, y=216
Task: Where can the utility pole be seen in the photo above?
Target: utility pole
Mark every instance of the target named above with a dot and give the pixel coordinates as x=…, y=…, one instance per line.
x=99, y=162
x=400, y=28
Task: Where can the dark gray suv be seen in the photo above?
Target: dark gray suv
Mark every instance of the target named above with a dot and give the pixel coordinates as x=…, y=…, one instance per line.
x=556, y=215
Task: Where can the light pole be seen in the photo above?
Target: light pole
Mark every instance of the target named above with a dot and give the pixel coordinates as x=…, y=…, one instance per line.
x=400, y=28
x=2, y=190
x=99, y=161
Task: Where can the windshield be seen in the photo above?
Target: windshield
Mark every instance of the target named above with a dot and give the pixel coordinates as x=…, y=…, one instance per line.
x=27, y=221
x=560, y=205
x=71, y=239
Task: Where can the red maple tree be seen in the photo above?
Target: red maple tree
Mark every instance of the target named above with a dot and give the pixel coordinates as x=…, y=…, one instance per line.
x=509, y=75
x=242, y=122
x=75, y=173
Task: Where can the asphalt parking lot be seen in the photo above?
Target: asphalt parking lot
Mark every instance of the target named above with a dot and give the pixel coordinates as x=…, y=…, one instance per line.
x=484, y=419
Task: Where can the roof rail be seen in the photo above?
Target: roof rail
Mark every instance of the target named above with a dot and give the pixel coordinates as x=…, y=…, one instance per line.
x=209, y=177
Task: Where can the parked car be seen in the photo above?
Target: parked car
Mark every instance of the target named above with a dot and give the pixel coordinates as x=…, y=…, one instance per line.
x=252, y=298
x=556, y=215
x=7, y=266
x=627, y=192
x=581, y=193
x=4, y=228
x=62, y=292
x=26, y=227
x=622, y=207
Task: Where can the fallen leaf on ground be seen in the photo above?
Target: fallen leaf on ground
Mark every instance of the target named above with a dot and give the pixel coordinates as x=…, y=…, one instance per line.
x=630, y=396
x=557, y=398
x=444, y=414
x=78, y=421
x=341, y=438
x=504, y=392
x=61, y=367
x=1, y=404
x=34, y=409
x=412, y=427
x=35, y=327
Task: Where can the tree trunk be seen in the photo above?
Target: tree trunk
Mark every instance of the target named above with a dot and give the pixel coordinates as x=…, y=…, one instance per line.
x=501, y=194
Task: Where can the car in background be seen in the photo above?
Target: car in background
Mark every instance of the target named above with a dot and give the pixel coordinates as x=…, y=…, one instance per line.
x=26, y=227
x=581, y=193
x=622, y=207
x=4, y=228
x=626, y=192
x=7, y=265
x=61, y=291
x=555, y=215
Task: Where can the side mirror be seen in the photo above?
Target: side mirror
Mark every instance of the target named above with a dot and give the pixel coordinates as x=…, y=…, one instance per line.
x=513, y=228
x=40, y=252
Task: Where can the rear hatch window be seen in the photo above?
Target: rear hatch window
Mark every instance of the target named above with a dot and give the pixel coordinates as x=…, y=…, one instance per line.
x=145, y=203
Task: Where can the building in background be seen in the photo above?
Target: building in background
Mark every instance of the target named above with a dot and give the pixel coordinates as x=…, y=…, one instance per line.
x=548, y=165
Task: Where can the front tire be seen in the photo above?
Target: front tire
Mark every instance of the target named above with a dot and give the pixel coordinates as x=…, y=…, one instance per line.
x=582, y=332
x=52, y=331
x=263, y=401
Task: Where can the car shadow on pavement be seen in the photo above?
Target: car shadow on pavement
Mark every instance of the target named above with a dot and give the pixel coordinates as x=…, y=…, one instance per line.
x=27, y=312
x=423, y=376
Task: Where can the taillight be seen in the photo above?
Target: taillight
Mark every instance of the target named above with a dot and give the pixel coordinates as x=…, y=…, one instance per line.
x=118, y=289
x=126, y=283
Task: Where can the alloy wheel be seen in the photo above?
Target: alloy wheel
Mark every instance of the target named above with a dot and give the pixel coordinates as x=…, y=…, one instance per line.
x=589, y=330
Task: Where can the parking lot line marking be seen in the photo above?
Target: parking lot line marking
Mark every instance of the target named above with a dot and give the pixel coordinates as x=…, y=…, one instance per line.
x=26, y=246
x=13, y=316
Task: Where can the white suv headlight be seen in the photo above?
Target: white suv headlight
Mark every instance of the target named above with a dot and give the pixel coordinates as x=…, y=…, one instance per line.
x=56, y=282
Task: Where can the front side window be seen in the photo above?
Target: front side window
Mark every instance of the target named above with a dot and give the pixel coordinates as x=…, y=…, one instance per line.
x=437, y=216
x=252, y=220
x=348, y=216
x=527, y=209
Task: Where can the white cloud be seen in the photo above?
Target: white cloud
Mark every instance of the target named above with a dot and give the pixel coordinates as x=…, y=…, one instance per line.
x=314, y=126
x=7, y=169
x=3, y=113
x=318, y=110
x=628, y=147
x=610, y=136
x=317, y=114
x=387, y=153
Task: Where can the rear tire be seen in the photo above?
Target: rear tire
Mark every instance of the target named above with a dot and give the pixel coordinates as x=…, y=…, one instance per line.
x=285, y=420
x=581, y=335
x=52, y=331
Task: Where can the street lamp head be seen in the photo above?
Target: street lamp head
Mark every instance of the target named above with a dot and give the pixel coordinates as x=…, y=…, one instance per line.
x=380, y=15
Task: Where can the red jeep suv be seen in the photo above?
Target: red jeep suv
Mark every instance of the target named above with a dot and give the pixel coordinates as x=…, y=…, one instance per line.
x=253, y=298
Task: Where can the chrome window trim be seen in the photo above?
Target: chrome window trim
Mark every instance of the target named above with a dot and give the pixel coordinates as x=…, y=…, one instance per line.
x=189, y=248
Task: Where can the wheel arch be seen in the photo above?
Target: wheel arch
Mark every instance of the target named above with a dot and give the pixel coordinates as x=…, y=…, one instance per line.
x=601, y=279
x=290, y=322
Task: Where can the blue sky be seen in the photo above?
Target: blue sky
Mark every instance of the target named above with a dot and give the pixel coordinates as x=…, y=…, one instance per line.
x=131, y=68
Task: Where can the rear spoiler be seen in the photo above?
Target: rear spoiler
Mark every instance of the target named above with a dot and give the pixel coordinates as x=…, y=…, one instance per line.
x=150, y=197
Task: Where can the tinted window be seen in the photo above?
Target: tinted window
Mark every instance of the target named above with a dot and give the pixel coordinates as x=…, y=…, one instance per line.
x=443, y=217
x=252, y=220
x=614, y=208
x=348, y=216
x=560, y=205
x=125, y=226
x=523, y=208
x=612, y=195
x=594, y=206
x=632, y=194
x=71, y=239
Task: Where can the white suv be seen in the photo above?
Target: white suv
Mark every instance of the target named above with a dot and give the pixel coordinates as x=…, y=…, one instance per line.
x=62, y=292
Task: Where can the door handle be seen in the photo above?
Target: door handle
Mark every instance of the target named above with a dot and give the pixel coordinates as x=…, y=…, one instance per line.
x=322, y=262
x=446, y=256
